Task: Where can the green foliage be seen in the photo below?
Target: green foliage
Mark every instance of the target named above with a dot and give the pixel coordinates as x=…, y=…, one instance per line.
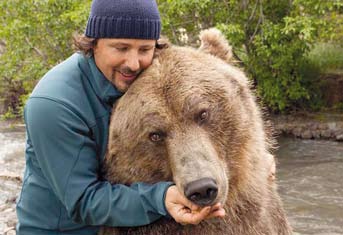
x=36, y=35
x=10, y=114
x=271, y=38
x=276, y=60
x=327, y=56
x=339, y=106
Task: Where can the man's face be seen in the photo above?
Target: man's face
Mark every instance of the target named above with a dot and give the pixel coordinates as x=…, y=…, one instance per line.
x=121, y=60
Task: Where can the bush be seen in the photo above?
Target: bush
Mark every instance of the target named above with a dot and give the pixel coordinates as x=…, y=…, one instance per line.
x=328, y=57
x=36, y=35
x=271, y=39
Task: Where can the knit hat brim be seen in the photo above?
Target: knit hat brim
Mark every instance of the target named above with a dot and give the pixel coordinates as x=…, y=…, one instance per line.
x=110, y=27
x=135, y=19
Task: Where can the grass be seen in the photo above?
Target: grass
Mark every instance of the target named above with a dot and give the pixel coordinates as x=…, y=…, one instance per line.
x=328, y=57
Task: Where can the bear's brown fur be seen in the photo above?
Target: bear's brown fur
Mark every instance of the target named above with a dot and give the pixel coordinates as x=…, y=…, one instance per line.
x=192, y=115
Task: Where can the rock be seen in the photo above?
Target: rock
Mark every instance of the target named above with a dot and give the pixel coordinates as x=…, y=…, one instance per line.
x=325, y=134
x=339, y=137
x=297, y=131
x=316, y=134
x=322, y=126
x=10, y=232
x=332, y=126
x=307, y=134
x=8, y=210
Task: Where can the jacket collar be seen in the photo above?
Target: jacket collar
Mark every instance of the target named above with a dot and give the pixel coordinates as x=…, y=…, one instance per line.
x=103, y=88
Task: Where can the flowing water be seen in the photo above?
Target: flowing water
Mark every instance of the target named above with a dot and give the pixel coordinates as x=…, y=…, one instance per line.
x=309, y=173
x=310, y=177
x=11, y=171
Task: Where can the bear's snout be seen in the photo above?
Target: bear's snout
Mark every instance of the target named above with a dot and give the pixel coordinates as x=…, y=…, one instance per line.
x=202, y=192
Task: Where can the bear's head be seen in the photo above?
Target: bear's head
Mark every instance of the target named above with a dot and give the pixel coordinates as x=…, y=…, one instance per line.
x=190, y=118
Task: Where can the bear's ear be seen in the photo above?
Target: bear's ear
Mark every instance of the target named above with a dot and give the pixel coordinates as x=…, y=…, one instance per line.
x=161, y=44
x=214, y=43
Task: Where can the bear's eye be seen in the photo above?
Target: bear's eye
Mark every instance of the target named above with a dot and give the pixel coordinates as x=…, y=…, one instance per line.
x=203, y=116
x=155, y=136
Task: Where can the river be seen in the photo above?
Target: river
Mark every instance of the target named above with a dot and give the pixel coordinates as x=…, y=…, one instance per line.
x=309, y=174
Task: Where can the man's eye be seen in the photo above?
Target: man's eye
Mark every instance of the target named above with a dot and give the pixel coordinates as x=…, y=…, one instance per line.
x=145, y=50
x=122, y=49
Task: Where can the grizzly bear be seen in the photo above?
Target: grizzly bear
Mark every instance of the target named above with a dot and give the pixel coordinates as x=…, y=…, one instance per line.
x=191, y=118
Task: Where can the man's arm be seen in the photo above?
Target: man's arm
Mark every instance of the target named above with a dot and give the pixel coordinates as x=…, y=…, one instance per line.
x=67, y=157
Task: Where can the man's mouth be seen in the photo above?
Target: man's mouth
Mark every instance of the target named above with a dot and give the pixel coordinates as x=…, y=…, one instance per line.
x=129, y=77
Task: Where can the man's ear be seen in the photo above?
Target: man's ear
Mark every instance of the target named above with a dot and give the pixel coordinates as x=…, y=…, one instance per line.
x=214, y=43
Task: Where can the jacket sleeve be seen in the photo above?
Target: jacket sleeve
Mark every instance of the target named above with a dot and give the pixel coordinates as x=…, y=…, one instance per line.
x=67, y=158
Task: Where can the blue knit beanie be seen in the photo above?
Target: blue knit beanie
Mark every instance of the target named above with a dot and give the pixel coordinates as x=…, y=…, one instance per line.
x=136, y=19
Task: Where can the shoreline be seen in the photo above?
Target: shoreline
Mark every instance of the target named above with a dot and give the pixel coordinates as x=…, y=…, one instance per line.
x=325, y=125
x=12, y=125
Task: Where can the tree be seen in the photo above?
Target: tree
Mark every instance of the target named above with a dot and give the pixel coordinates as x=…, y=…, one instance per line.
x=36, y=35
x=270, y=38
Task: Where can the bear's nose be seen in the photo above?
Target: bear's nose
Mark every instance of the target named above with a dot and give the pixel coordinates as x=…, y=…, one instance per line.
x=202, y=192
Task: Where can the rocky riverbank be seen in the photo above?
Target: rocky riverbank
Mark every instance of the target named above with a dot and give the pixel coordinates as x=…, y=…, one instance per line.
x=12, y=161
x=310, y=125
x=14, y=125
x=12, y=135
x=301, y=125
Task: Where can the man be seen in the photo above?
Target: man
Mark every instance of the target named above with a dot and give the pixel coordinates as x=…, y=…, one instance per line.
x=67, y=117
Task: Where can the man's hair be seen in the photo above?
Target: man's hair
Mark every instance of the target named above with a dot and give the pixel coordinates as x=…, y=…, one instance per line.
x=85, y=44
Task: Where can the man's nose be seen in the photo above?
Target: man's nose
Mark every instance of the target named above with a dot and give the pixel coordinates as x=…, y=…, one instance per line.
x=132, y=62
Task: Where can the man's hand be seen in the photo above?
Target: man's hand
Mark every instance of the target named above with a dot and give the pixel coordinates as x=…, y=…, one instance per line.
x=185, y=212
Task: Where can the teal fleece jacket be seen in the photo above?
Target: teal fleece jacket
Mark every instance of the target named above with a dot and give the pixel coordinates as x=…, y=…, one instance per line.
x=67, y=119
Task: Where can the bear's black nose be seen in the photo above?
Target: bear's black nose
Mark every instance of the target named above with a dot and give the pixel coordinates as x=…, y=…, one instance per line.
x=202, y=192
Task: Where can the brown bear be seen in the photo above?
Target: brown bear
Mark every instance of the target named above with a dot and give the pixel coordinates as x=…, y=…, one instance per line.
x=192, y=118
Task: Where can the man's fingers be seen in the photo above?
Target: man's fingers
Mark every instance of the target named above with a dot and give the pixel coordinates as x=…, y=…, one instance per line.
x=215, y=207
x=186, y=216
x=194, y=218
x=186, y=212
x=176, y=198
x=193, y=207
x=197, y=217
x=217, y=213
